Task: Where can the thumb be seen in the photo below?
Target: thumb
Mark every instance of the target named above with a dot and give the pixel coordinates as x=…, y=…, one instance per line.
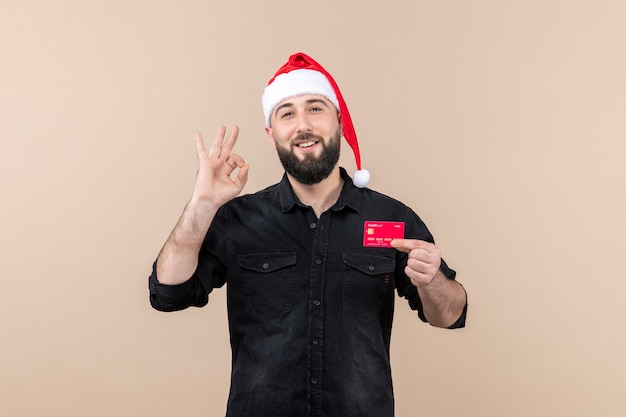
x=242, y=176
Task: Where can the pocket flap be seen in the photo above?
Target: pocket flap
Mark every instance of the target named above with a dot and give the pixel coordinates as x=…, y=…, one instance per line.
x=370, y=264
x=267, y=262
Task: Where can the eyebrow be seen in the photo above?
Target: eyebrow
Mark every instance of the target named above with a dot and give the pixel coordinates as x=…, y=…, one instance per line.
x=309, y=101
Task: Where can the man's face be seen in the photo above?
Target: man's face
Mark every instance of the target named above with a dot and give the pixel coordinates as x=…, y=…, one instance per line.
x=307, y=135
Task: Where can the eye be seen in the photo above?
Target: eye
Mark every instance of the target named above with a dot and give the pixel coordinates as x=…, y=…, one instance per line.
x=315, y=109
x=286, y=114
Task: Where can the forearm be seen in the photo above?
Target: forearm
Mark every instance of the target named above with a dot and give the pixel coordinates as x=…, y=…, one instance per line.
x=214, y=186
x=443, y=300
x=178, y=259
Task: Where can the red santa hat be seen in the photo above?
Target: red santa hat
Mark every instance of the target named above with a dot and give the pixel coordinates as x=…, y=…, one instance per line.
x=302, y=75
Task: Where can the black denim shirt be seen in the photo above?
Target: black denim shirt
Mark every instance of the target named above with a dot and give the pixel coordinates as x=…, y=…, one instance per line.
x=310, y=308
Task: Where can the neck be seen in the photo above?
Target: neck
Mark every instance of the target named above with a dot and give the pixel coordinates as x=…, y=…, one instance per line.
x=320, y=196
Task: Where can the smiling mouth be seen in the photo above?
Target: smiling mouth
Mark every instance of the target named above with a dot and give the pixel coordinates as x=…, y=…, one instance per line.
x=307, y=144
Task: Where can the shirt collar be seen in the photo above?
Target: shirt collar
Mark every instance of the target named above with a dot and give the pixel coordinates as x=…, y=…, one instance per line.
x=349, y=197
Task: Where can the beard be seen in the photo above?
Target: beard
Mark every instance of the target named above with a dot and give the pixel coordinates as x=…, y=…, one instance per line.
x=311, y=170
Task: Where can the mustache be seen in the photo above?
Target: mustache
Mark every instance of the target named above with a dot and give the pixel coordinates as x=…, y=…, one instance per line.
x=308, y=136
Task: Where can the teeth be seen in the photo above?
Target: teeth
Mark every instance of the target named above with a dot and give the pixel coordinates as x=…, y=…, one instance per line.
x=306, y=144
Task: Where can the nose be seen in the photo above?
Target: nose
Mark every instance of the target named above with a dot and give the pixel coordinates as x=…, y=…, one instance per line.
x=303, y=123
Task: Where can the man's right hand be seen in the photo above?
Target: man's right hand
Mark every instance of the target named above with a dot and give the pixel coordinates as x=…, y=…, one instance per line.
x=214, y=184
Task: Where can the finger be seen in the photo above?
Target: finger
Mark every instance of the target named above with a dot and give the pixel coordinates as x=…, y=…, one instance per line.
x=242, y=177
x=420, y=254
x=216, y=147
x=231, y=163
x=200, y=149
x=228, y=145
x=425, y=266
x=418, y=278
x=236, y=161
x=407, y=245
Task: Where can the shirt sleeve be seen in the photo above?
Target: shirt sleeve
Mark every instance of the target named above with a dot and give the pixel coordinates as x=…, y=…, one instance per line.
x=210, y=274
x=176, y=297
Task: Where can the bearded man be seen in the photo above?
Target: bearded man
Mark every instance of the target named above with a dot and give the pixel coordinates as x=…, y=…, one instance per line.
x=312, y=264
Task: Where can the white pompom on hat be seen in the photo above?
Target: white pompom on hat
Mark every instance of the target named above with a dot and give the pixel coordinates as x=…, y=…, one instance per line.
x=302, y=75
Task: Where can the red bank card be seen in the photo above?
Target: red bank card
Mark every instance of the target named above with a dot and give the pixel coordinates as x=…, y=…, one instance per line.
x=380, y=234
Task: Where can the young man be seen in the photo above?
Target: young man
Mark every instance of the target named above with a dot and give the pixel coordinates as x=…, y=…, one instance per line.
x=311, y=263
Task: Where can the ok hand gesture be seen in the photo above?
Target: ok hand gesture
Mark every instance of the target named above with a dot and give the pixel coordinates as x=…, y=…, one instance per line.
x=214, y=184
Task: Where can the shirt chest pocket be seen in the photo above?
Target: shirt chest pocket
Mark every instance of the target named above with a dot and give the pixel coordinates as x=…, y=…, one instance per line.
x=366, y=284
x=265, y=284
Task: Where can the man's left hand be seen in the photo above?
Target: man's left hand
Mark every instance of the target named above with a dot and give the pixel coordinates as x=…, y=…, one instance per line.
x=423, y=262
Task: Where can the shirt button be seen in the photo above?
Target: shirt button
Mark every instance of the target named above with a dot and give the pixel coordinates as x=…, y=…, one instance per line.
x=371, y=268
x=313, y=225
x=316, y=303
x=315, y=341
x=314, y=381
x=266, y=265
x=318, y=261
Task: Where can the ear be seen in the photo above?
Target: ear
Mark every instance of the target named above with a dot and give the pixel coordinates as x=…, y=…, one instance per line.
x=339, y=120
x=270, y=134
